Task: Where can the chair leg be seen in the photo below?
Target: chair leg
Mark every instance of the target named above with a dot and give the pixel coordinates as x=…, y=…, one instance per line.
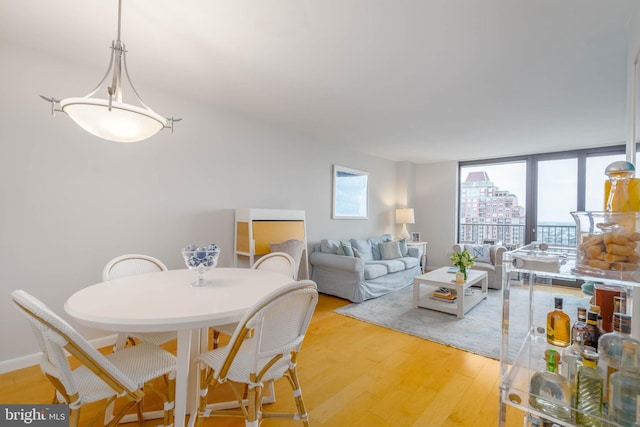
x=254, y=406
x=171, y=398
x=216, y=339
x=203, y=388
x=297, y=394
x=74, y=417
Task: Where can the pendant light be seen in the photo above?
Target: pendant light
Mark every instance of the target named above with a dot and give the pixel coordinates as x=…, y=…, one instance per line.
x=111, y=118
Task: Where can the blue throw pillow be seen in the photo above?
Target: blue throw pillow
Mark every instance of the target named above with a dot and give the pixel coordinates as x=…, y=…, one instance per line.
x=364, y=248
x=345, y=249
x=404, y=249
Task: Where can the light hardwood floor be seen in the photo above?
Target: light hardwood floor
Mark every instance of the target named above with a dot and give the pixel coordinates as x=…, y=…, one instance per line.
x=355, y=374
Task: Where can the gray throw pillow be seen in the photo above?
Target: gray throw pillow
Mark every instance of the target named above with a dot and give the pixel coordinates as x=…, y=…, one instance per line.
x=389, y=250
x=329, y=246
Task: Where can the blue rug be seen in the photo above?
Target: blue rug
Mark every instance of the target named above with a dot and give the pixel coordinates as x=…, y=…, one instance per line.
x=479, y=332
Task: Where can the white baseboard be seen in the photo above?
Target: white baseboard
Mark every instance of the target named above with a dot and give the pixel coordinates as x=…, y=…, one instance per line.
x=34, y=359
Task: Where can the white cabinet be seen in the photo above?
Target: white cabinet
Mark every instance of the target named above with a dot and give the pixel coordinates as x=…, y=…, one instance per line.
x=525, y=306
x=255, y=229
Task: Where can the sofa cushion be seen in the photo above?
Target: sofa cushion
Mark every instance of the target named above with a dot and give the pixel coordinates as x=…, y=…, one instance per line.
x=389, y=250
x=483, y=266
x=375, y=241
x=329, y=246
x=363, y=247
x=481, y=253
x=345, y=249
x=391, y=265
x=372, y=271
x=409, y=262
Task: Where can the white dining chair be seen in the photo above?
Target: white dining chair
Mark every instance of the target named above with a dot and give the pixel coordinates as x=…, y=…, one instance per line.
x=122, y=374
x=129, y=265
x=279, y=322
x=278, y=262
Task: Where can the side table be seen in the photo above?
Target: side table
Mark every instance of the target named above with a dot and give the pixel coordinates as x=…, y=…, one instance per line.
x=422, y=246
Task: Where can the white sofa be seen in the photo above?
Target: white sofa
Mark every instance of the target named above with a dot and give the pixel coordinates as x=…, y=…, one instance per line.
x=490, y=262
x=370, y=271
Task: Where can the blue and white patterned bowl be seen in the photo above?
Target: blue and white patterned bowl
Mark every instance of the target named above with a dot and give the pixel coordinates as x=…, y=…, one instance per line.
x=201, y=259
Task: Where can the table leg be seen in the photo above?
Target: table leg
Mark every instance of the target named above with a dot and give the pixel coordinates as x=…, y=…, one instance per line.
x=185, y=399
x=461, y=299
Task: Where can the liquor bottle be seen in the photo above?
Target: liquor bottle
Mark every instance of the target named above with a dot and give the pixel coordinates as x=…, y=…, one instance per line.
x=572, y=360
x=558, y=326
x=549, y=391
x=592, y=331
x=610, y=348
x=625, y=387
x=579, y=325
x=588, y=401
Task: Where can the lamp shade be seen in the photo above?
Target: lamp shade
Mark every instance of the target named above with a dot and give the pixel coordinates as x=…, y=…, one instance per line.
x=123, y=123
x=405, y=216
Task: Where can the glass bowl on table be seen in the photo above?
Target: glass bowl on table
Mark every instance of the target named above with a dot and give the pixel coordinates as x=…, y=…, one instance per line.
x=200, y=260
x=608, y=244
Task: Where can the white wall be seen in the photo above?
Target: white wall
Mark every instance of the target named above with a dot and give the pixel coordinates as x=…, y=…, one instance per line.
x=71, y=202
x=436, y=189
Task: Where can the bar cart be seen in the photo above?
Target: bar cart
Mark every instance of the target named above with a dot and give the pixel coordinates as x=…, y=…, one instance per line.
x=526, y=304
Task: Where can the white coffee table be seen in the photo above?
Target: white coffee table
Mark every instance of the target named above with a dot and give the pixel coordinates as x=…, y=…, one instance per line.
x=441, y=278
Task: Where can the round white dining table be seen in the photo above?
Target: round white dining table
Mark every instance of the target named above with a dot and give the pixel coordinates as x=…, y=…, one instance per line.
x=167, y=301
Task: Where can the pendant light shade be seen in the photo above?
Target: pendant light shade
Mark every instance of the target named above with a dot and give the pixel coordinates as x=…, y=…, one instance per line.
x=111, y=118
x=121, y=123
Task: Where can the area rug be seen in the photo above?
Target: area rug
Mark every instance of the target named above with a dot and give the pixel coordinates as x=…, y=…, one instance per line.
x=479, y=332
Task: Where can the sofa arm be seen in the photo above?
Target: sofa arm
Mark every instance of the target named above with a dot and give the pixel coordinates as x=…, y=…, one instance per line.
x=338, y=262
x=413, y=251
x=500, y=250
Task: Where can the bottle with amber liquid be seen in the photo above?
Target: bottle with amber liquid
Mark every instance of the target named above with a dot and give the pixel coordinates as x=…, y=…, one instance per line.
x=558, y=326
x=592, y=332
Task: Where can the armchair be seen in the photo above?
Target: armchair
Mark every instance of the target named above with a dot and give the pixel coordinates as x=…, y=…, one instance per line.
x=488, y=258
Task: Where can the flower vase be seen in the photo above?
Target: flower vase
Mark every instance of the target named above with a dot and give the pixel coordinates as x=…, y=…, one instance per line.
x=463, y=270
x=460, y=277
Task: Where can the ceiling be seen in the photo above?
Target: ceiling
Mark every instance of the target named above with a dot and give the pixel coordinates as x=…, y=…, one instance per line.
x=420, y=80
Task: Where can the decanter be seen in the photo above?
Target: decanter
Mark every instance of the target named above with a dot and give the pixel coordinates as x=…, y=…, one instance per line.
x=588, y=400
x=549, y=391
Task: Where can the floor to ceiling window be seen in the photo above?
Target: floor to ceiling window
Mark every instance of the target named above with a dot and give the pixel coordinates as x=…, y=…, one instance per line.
x=557, y=196
x=515, y=201
x=492, y=202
